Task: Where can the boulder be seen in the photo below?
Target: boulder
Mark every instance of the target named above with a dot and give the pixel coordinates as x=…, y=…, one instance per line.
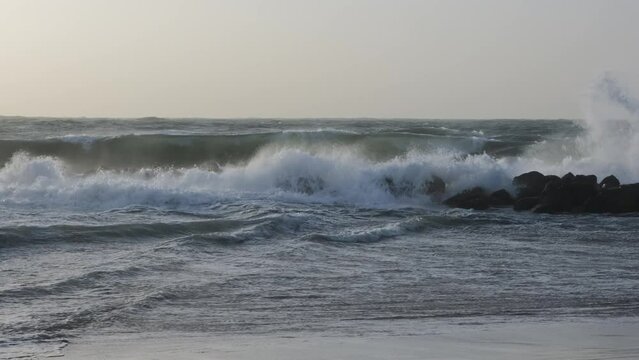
x=526, y=203
x=549, y=194
x=529, y=184
x=586, y=180
x=501, y=198
x=568, y=177
x=570, y=193
x=553, y=198
x=549, y=178
x=544, y=208
x=475, y=198
x=435, y=186
x=609, y=182
x=622, y=199
x=400, y=188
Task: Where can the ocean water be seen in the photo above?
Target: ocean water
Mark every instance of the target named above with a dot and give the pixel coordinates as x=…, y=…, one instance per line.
x=287, y=227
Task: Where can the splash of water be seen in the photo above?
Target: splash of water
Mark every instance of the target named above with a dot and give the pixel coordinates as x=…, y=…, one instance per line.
x=612, y=122
x=608, y=145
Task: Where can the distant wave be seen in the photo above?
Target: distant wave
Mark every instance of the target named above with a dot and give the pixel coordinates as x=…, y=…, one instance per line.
x=89, y=152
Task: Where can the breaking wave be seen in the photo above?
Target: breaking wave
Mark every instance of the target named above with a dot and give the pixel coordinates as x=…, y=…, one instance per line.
x=352, y=165
x=288, y=174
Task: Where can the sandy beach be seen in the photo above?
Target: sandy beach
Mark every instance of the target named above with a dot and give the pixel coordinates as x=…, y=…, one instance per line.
x=596, y=339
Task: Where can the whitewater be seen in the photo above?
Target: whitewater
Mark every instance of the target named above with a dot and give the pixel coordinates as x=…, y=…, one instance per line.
x=288, y=227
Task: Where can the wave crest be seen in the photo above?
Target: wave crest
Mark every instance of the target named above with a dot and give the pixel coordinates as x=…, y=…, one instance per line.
x=331, y=175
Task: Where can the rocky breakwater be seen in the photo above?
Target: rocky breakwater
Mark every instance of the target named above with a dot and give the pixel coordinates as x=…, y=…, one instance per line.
x=539, y=193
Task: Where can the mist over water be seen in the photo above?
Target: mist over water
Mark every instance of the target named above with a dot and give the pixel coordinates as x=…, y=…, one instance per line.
x=301, y=226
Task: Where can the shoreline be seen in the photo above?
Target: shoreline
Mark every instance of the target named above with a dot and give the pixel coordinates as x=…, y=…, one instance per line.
x=589, y=339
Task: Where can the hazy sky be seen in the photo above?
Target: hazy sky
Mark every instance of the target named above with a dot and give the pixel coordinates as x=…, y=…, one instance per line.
x=303, y=58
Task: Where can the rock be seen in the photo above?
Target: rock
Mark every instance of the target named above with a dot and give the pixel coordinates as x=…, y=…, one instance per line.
x=553, y=198
x=542, y=208
x=435, y=186
x=622, y=199
x=581, y=193
x=529, y=184
x=501, y=198
x=303, y=185
x=309, y=185
x=475, y=198
x=570, y=193
x=526, y=203
x=400, y=188
x=549, y=178
x=568, y=177
x=550, y=194
x=610, y=182
x=586, y=180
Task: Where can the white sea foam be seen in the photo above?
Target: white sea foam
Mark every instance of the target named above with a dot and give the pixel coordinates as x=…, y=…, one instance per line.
x=294, y=174
x=338, y=173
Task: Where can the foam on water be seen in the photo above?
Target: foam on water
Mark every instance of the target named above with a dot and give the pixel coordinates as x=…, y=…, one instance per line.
x=333, y=164
x=293, y=174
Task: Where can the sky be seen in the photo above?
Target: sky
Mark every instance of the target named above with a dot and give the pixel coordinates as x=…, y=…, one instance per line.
x=304, y=58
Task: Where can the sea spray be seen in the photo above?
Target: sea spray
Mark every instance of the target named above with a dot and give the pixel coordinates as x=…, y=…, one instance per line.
x=612, y=123
x=293, y=174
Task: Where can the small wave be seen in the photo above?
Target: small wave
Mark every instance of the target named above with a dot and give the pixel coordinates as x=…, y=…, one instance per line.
x=320, y=130
x=86, y=280
x=368, y=234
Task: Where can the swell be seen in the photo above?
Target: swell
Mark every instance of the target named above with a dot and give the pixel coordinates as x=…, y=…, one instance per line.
x=161, y=150
x=28, y=235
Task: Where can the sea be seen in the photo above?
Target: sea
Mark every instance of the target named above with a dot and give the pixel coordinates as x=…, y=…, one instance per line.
x=286, y=227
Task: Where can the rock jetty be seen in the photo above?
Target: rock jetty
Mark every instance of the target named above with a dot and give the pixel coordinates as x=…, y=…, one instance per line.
x=551, y=194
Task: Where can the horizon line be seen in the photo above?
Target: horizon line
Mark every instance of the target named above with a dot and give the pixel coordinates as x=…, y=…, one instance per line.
x=80, y=117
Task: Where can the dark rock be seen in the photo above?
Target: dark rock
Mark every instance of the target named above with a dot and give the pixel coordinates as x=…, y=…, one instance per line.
x=549, y=178
x=526, y=203
x=303, y=185
x=622, y=199
x=529, y=184
x=550, y=194
x=501, y=198
x=543, y=208
x=552, y=186
x=475, y=198
x=400, y=188
x=586, y=180
x=568, y=177
x=610, y=182
x=310, y=185
x=435, y=186
x=570, y=193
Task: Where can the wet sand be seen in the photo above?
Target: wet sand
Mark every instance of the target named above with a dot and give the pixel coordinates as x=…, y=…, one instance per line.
x=593, y=339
